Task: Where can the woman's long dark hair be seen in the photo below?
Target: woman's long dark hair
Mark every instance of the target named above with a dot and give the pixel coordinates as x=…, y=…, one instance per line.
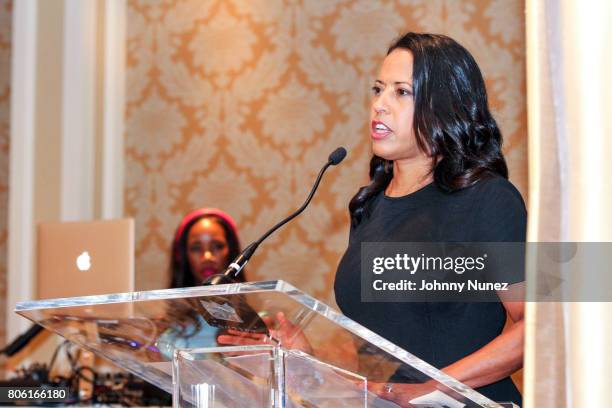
x=452, y=120
x=179, y=263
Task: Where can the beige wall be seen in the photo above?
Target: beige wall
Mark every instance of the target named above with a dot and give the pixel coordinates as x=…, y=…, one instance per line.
x=236, y=104
x=5, y=80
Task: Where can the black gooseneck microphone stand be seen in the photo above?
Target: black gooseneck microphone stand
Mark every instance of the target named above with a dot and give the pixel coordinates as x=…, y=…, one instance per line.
x=241, y=260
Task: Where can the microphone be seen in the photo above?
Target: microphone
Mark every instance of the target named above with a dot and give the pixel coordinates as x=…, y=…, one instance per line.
x=241, y=260
x=335, y=157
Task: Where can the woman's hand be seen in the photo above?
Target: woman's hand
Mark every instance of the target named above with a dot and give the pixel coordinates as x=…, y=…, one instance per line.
x=282, y=333
x=287, y=334
x=400, y=393
x=240, y=338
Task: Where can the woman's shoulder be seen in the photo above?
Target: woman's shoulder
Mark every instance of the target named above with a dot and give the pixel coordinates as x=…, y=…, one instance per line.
x=500, y=210
x=495, y=187
x=492, y=190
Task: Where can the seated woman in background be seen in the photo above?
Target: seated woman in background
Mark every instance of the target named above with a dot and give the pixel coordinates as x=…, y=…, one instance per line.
x=204, y=244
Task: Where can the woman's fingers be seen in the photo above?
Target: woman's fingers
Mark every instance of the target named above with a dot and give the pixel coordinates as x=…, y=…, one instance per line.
x=240, y=338
x=233, y=340
x=269, y=321
x=284, y=327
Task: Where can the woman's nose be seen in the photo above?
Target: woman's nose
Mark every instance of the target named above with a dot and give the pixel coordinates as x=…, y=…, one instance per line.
x=380, y=110
x=379, y=105
x=208, y=255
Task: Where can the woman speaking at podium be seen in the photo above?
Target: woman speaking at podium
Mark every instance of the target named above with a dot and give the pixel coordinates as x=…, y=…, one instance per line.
x=437, y=175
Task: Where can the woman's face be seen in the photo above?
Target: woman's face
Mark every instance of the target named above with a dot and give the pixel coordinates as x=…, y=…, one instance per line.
x=207, y=249
x=392, y=109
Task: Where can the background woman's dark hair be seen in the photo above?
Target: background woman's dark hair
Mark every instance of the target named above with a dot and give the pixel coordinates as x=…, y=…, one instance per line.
x=452, y=120
x=179, y=262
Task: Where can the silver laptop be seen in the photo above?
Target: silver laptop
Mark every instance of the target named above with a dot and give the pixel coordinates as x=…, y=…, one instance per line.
x=85, y=258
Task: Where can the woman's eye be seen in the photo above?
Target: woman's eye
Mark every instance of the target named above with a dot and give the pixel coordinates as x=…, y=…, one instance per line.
x=218, y=246
x=195, y=249
x=376, y=90
x=403, y=92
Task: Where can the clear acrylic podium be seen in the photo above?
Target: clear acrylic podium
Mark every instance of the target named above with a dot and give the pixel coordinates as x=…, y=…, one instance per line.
x=281, y=348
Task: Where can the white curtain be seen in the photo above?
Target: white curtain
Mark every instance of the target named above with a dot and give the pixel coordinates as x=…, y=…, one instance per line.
x=568, y=350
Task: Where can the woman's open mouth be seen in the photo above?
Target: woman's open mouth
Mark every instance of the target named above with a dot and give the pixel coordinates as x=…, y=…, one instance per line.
x=379, y=130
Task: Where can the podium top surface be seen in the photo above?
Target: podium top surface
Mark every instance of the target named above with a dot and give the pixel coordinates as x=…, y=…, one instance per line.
x=139, y=331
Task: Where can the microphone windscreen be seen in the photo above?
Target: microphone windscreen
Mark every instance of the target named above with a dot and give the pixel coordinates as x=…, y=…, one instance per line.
x=337, y=156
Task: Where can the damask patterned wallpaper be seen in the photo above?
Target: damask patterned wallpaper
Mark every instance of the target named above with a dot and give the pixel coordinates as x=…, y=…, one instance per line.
x=5, y=80
x=237, y=103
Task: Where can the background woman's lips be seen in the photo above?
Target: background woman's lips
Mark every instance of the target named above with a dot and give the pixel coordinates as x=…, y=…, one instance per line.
x=206, y=272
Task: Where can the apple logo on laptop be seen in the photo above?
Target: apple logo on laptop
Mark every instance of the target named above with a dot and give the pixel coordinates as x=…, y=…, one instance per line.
x=83, y=261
